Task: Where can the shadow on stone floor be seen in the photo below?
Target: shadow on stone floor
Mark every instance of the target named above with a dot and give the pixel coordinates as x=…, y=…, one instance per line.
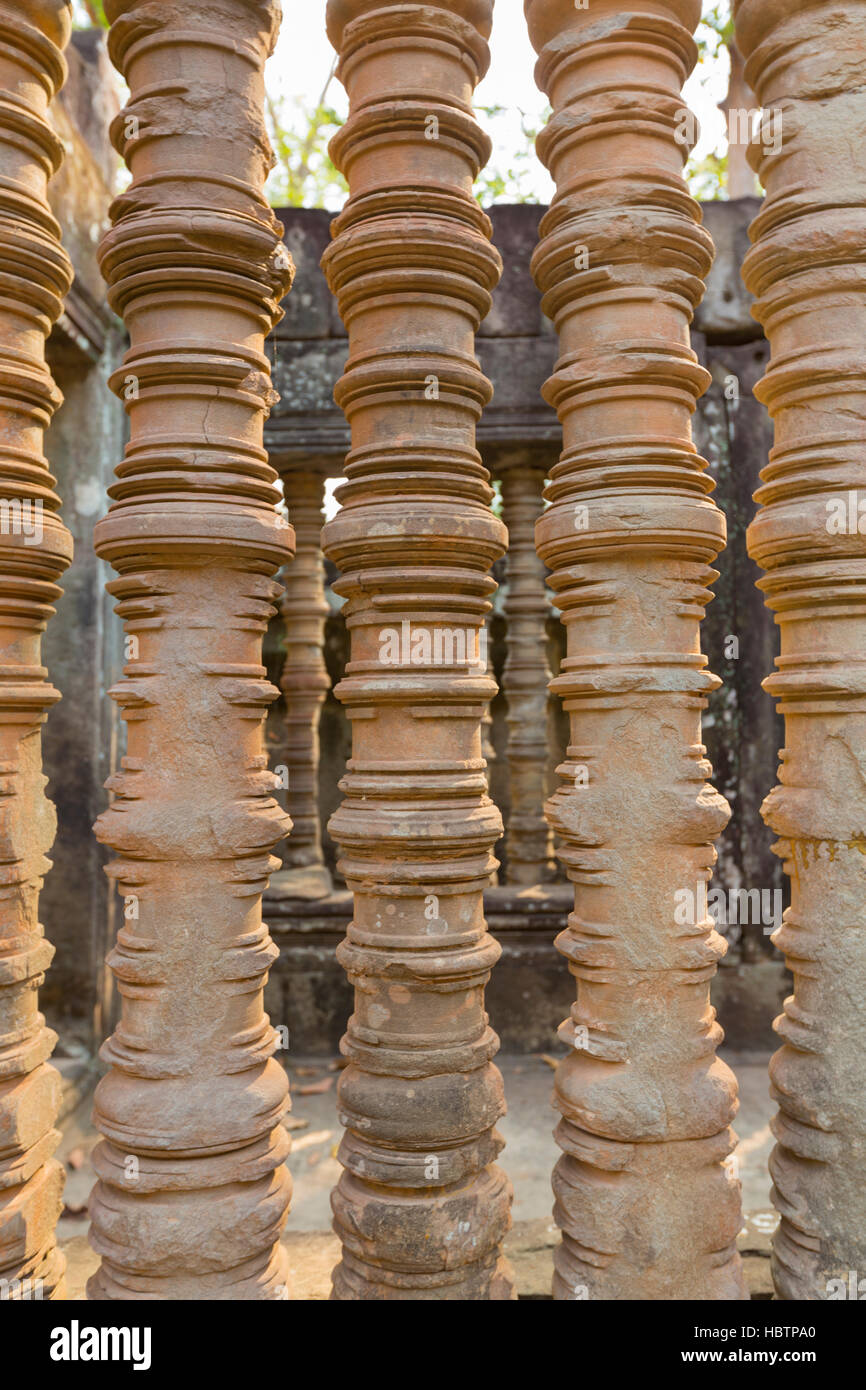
x=528, y=1157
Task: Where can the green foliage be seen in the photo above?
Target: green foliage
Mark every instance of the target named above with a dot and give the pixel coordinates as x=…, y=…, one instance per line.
x=89, y=14
x=719, y=20
x=513, y=182
x=304, y=175
x=708, y=177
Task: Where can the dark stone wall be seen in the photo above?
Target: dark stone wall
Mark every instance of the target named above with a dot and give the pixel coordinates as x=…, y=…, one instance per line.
x=82, y=651
x=742, y=729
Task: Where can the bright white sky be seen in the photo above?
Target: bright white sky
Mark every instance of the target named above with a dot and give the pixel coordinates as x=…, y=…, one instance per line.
x=302, y=61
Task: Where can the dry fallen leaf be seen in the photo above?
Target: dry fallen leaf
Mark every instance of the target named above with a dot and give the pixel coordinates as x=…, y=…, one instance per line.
x=318, y=1136
x=315, y=1088
x=551, y=1061
x=75, y=1159
x=293, y=1122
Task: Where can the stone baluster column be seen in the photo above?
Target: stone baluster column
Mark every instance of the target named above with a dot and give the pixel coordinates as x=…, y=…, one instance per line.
x=193, y=1191
x=807, y=61
x=526, y=676
x=35, y=548
x=305, y=681
x=421, y=1209
x=647, y=1207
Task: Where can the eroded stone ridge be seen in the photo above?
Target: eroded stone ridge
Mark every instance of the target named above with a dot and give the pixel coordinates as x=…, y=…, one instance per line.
x=192, y=1190
x=807, y=62
x=35, y=549
x=648, y=1206
x=421, y=1208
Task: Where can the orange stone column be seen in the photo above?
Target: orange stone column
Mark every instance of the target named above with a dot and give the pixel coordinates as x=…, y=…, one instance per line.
x=645, y=1203
x=421, y=1209
x=35, y=549
x=305, y=681
x=807, y=62
x=526, y=676
x=192, y=1191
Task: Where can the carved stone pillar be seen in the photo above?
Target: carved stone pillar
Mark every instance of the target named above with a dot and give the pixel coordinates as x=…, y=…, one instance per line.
x=421, y=1209
x=525, y=677
x=305, y=681
x=806, y=61
x=192, y=1191
x=646, y=1205
x=35, y=548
